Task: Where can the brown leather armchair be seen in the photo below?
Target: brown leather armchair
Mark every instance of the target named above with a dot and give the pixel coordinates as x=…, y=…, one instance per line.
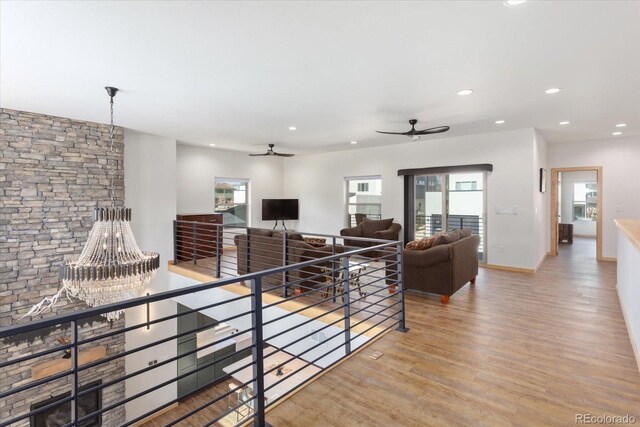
x=384, y=229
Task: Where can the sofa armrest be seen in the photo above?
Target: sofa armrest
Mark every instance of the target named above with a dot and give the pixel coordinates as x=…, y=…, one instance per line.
x=352, y=231
x=465, y=259
x=427, y=258
x=388, y=234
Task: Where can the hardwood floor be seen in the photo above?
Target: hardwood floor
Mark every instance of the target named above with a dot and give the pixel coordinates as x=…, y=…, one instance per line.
x=517, y=349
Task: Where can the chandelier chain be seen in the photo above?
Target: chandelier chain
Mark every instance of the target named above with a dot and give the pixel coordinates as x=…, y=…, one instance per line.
x=113, y=160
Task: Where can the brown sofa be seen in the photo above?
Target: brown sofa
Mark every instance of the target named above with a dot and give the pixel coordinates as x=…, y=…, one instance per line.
x=445, y=268
x=261, y=249
x=384, y=229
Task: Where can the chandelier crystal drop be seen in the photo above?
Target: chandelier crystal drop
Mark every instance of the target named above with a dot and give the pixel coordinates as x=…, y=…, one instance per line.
x=111, y=267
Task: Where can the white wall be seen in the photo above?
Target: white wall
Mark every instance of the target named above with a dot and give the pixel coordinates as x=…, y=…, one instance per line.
x=628, y=289
x=197, y=168
x=580, y=228
x=541, y=200
x=318, y=181
x=619, y=158
x=150, y=191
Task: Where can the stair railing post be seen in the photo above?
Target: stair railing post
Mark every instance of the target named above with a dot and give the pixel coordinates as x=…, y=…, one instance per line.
x=347, y=305
x=74, y=364
x=218, y=238
x=175, y=242
x=402, y=327
x=258, y=353
x=195, y=243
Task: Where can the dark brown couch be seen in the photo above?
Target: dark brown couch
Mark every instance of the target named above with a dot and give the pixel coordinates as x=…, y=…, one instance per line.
x=442, y=269
x=261, y=249
x=384, y=229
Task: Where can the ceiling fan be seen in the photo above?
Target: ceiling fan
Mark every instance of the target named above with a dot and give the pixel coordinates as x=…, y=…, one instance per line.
x=270, y=152
x=415, y=134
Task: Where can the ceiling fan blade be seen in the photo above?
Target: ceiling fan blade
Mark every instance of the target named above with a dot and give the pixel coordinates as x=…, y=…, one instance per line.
x=283, y=154
x=394, y=133
x=438, y=129
x=256, y=155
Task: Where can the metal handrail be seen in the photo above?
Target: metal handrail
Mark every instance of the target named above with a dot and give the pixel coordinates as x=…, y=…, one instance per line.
x=339, y=275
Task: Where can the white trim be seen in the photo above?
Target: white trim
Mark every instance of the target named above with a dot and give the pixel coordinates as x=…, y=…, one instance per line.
x=634, y=345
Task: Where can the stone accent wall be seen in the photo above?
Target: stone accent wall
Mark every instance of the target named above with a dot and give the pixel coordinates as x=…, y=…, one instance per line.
x=53, y=172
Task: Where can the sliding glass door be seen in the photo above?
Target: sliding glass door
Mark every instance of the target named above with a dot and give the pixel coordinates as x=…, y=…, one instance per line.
x=429, y=202
x=449, y=202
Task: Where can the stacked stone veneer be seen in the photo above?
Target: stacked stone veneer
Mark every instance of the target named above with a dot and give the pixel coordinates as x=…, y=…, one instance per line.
x=53, y=172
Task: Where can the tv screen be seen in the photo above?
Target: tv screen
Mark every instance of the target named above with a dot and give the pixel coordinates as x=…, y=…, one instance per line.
x=279, y=209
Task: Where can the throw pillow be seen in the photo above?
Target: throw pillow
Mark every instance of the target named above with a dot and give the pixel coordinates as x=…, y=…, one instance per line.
x=446, y=238
x=465, y=232
x=370, y=226
x=422, y=244
x=413, y=245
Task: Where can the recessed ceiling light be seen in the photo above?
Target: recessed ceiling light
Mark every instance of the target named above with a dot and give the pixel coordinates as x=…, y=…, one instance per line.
x=292, y=128
x=212, y=145
x=616, y=133
x=499, y=122
x=354, y=142
x=564, y=123
x=464, y=92
x=621, y=125
x=552, y=90
x=513, y=2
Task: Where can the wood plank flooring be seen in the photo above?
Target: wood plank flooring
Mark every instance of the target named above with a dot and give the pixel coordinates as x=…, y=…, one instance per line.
x=518, y=349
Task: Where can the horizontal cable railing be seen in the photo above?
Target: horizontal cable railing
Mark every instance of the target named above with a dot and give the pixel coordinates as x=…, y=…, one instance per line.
x=284, y=307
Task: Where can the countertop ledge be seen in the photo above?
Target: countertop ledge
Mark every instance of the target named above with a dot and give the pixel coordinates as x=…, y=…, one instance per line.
x=630, y=227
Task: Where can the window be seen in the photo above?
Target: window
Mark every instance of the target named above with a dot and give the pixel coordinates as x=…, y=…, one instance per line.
x=231, y=196
x=364, y=199
x=466, y=185
x=585, y=201
x=363, y=187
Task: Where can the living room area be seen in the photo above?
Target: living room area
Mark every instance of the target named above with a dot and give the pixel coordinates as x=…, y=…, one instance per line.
x=356, y=212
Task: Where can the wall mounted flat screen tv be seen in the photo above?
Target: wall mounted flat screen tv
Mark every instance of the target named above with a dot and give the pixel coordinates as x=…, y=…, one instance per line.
x=279, y=209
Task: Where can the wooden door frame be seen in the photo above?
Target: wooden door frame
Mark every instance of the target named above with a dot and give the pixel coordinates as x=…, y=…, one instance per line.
x=553, y=250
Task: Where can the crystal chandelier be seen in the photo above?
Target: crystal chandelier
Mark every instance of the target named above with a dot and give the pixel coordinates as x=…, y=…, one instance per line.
x=111, y=267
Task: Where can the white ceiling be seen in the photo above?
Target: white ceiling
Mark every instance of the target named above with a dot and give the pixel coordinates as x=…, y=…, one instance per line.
x=238, y=74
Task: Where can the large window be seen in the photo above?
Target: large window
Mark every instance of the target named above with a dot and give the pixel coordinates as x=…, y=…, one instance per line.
x=585, y=201
x=231, y=200
x=364, y=199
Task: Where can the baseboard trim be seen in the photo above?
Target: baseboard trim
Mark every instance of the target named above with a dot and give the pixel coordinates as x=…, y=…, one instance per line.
x=509, y=268
x=540, y=262
x=156, y=414
x=608, y=259
x=634, y=343
x=591, y=236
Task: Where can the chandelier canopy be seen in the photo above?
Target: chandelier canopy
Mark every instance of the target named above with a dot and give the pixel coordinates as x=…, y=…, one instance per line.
x=111, y=267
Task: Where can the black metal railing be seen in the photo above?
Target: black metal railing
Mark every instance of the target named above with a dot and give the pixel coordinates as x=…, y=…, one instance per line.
x=357, y=289
x=428, y=225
